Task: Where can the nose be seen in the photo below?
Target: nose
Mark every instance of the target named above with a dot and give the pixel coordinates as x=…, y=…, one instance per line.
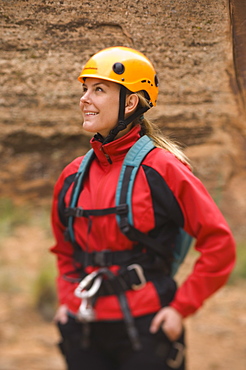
x=83, y=102
x=85, y=97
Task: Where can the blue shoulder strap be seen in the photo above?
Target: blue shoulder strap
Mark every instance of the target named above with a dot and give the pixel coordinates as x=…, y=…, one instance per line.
x=83, y=168
x=124, y=190
x=129, y=170
x=181, y=248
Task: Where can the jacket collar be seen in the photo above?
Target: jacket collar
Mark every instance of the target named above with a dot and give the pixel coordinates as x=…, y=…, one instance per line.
x=117, y=149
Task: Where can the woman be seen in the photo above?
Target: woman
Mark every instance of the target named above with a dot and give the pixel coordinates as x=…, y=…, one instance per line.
x=107, y=321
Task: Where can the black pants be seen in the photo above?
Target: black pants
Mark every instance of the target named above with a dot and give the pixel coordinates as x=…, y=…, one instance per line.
x=106, y=346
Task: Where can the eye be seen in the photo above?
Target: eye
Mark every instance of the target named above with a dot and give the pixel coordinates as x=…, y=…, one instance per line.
x=84, y=89
x=99, y=88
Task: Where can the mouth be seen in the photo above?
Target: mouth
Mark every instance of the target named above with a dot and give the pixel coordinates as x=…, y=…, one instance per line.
x=90, y=114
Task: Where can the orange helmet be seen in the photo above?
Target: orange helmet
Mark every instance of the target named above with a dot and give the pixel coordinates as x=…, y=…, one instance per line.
x=126, y=67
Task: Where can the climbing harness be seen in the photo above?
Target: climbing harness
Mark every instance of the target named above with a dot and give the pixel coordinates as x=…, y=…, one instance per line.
x=131, y=275
x=94, y=280
x=123, y=211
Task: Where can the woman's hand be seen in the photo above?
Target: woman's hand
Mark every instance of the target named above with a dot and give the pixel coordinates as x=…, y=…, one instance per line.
x=61, y=314
x=171, y=322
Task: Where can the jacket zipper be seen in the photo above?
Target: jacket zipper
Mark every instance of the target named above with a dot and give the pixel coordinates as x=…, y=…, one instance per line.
x=106, y=155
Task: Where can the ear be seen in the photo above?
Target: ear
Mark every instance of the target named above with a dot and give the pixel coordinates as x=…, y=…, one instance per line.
x=131, y=103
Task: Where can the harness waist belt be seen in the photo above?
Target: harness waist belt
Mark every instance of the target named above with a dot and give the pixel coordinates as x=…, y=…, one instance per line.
x=129, y=279
x=106, y=258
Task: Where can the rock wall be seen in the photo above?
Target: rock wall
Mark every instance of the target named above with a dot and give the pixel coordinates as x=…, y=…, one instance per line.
x=44, y=45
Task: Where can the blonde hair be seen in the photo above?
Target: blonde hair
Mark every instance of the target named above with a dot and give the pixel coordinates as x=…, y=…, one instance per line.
x=153, y=131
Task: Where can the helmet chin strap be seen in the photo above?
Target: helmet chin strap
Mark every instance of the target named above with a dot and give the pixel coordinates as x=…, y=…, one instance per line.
x=122, y=122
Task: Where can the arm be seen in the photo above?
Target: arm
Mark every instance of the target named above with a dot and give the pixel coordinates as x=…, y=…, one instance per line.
x=204, y=221
x=214, y=242
x=64, y=254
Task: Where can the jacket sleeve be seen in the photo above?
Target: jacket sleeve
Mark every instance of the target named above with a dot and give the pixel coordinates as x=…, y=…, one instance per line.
x=63, y=251
x=204, y=221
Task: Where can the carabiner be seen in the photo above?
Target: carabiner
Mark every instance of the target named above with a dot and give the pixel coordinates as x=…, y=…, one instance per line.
x=82, y=292
x=86, y=312
x=140, y=274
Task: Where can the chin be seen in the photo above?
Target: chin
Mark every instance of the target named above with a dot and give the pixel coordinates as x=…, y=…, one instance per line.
x=88, y=128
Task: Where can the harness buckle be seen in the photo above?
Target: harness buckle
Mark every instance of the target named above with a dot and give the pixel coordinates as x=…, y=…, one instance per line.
x=175, y=360
x=140, y=274
x=101, y=258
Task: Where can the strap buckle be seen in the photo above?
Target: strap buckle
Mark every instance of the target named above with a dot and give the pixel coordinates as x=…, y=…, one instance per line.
x=74, y=212
x=103, y=258
x=122, y=209
x=176, y=360
x=140, y=274
x=79, y=212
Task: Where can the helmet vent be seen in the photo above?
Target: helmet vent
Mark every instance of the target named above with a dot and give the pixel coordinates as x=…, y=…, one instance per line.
x=147, y=81
x=156, y=81
x=118, y=68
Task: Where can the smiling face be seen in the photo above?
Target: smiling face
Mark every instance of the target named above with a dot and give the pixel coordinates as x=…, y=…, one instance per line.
x=100, y=105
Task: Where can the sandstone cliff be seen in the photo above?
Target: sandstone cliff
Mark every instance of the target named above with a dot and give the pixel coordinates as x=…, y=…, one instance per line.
x=43, y=47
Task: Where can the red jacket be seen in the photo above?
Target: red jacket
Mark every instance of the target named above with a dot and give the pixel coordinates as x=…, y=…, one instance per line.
x=165, y=193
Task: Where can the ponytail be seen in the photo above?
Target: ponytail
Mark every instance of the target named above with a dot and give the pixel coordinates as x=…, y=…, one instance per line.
x=153, y=131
